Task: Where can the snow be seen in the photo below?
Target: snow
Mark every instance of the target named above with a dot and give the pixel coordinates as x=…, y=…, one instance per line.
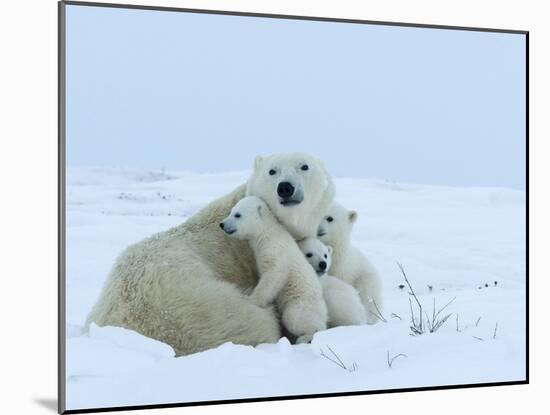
x=456, y=240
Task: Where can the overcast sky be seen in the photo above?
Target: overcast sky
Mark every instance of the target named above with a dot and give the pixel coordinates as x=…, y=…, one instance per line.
x=208, y=93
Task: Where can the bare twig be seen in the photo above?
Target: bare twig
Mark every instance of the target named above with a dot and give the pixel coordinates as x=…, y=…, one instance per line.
x=495, y=332
x=477, y=322
x=443, y=308
x=440, y=323
x=393, y=315
x=479, y=338
x=432, y=325
x=336, y=356
x=433, y=313
x=332, y=360
x=457, y=329
x=378, y=313
x=411, y=292
x=337, y=361
x=428, y=322
x=390, y=361
x=412, y=313
x=415, y=331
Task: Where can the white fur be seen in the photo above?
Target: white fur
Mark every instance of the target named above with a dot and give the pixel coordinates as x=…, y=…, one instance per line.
x=316, y=184
x=285, y=276
x=185, y=286
x=348, y=263
x=343, y=301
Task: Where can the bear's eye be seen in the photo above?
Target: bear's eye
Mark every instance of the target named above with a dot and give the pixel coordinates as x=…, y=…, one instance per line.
x=330, y=219
x=237, y=215
x=309, y=254
x=325, y=255
x=272, y=172
x=305, y=167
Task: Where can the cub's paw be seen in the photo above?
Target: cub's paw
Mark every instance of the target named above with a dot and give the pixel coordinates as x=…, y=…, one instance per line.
x=306, y=338
x=248, y=290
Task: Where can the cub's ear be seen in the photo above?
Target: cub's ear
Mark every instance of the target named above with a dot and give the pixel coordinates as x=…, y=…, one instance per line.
x=257, y=162
x=352, y=216
x=329, y=249
x=259, y=210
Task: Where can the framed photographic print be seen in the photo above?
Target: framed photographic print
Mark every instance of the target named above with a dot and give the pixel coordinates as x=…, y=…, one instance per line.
x=259, y=207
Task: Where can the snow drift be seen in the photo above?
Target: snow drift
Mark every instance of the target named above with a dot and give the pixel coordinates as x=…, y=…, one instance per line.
x=467, y=243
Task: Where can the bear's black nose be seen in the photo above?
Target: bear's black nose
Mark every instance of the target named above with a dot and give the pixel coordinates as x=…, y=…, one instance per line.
x=285, y=190
x=221, y=225
x=323, y=265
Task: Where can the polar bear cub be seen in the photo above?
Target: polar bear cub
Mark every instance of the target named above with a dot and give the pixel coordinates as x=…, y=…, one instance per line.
x=285, y=277
x=343, y=301
x=348, y=263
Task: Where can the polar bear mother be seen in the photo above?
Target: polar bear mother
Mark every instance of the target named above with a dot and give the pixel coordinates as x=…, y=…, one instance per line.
x=185, y=286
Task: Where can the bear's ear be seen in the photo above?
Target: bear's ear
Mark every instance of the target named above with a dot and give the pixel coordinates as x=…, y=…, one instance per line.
x=259, y=210
x=352, y=216
x=329, y=249
x=257, y=162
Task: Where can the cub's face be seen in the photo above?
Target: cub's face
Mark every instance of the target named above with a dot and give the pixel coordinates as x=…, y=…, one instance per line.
x=317, y=254
x=336, y=226
x=245, y=219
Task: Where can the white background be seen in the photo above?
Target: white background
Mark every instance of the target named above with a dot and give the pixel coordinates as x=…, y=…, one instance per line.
x=28, y=96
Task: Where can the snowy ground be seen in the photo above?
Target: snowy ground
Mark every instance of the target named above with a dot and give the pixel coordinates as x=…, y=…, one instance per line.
x=455, y=240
